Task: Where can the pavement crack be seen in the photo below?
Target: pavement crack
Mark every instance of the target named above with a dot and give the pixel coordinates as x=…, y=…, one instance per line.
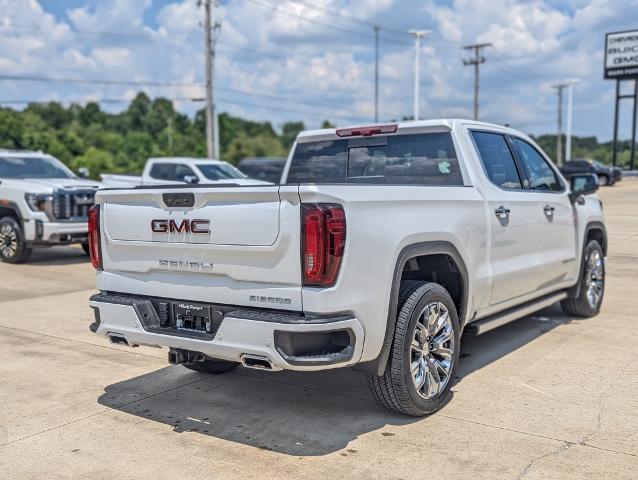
x=115, y=407
x=76, y=341
x=537, y=435
x=563, y=448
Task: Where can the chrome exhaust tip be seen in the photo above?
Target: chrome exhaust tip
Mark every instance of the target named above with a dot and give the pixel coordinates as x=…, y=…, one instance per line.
x=258, y=362
x=119, y=340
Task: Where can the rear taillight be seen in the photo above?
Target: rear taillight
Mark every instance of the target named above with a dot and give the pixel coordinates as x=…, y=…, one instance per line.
x=95, y=251
x=324, y=240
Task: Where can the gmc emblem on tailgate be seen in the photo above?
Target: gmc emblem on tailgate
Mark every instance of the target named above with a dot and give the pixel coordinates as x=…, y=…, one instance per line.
x=185, y=226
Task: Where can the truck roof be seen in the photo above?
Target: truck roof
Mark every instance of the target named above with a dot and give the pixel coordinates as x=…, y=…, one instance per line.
x=188, y=160
x=447, y=123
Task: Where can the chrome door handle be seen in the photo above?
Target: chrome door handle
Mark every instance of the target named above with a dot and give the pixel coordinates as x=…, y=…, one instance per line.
x=549, y=210
x=502, y=212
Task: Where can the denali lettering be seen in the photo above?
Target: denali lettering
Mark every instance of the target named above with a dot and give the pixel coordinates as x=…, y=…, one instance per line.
x=185, y=226
x=182, y=265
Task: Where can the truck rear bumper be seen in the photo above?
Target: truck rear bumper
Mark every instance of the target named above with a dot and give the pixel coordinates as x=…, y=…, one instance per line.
x=290, y=341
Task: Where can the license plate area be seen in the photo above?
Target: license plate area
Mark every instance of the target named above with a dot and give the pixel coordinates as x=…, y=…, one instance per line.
x=192, y=317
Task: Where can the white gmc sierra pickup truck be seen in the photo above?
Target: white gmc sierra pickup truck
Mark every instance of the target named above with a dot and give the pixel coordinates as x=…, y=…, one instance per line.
x=168, y=170
x=42, y=203
x=379, y=248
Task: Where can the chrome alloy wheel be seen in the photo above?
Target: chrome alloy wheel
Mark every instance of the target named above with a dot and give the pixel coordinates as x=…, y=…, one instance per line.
x=8, y=241
x=431, y=351
x=595, y=278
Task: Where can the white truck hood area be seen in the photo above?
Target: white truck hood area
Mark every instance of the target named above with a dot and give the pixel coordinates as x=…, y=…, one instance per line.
x=47, y=185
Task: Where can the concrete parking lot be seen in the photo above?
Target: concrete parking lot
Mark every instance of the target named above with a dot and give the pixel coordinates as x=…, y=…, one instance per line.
x=545, y=397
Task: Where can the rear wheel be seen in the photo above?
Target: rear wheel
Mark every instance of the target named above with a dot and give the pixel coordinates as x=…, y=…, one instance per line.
x=212, y=366
x=592, y=284
x=13, y=248
x=603, y=180
x=424, y=355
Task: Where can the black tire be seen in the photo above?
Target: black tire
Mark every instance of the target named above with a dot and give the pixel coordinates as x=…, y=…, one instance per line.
x=396, y=389
x=13, y=249
x=212, y=366
x=603, y=180
x=581, y=305
x=85, y=247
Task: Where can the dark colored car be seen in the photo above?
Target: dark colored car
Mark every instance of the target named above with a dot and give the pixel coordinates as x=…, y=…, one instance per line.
x=268, y=169
x=607, y=175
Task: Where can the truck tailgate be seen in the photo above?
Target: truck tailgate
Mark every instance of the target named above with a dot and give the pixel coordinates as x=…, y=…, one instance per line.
x=228, y=245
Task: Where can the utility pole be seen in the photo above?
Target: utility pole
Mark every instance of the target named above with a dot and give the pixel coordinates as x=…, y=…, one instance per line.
x=418, y=34
x=559, y=137
x=476, y=61
x=570, y=100
x=376, y=73
x=210, y=34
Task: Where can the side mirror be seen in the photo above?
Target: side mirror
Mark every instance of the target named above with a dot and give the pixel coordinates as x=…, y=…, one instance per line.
x=83, y=172
x=583, y=184
x=192, y=179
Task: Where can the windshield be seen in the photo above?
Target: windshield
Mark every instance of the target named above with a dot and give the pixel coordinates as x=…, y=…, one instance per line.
x=33, y=167
x=219, y=171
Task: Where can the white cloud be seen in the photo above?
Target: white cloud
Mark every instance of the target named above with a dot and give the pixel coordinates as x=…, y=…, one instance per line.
x=535, y=45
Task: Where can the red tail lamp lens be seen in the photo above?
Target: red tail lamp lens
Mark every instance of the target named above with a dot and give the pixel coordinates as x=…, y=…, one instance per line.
x=95, y=251
x=324, y=239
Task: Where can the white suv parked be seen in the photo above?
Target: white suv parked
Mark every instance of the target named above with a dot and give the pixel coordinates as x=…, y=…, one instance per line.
x=381, y=245
x=42, y=203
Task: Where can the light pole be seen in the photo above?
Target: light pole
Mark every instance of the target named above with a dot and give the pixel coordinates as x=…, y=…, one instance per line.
x=570, y=100
x=418, y=34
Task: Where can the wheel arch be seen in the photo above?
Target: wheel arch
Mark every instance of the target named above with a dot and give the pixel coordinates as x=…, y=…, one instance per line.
x=408, y=253
x=10, y=209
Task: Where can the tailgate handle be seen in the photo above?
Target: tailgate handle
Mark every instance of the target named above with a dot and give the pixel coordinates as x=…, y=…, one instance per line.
x=178, y=199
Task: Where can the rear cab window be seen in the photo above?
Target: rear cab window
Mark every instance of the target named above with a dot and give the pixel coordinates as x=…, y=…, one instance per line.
x=403, y=159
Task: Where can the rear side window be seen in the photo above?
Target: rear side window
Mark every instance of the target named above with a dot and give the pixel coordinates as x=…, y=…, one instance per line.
x=540, y=174
x=497, y=159
x=417, y=159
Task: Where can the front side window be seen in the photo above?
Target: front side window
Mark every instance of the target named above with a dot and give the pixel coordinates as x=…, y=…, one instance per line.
x=541, y=176
x=219, y=171
x=33, y=167
x=497, y=159
x=414, y=159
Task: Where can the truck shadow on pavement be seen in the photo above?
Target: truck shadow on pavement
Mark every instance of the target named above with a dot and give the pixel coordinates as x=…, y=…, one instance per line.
x=302, y=414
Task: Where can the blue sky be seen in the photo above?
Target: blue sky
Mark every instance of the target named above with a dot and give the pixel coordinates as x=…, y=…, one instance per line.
x=312, y=60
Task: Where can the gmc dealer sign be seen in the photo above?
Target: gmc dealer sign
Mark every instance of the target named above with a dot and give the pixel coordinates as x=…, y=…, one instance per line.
x=621, y=55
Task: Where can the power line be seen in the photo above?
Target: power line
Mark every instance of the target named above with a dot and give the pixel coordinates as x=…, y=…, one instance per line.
x=184, y=99
x=149, y=83
x=349, y=18
x=125, y=82
x=327, y=25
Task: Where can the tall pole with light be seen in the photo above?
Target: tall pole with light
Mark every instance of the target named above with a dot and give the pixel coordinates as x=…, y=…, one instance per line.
x=570, y=100
x=417, y=34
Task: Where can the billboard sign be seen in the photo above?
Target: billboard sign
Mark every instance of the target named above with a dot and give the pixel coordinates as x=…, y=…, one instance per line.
x=621, y=55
